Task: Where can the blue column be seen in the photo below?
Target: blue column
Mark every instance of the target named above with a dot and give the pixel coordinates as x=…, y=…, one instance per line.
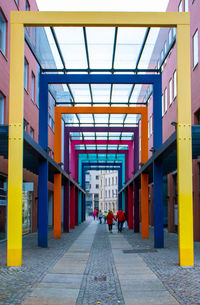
x=43, y=166
x=157, y=166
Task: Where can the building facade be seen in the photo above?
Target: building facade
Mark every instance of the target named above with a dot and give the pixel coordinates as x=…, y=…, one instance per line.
x=169, y=110
x=108, y=191
x=35, y=43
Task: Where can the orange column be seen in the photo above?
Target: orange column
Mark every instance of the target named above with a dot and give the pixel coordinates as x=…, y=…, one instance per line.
x=57, y=177
x=144, y=177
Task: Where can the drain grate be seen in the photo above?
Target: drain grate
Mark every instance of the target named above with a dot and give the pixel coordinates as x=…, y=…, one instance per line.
x=139, y=251
x=100, y=278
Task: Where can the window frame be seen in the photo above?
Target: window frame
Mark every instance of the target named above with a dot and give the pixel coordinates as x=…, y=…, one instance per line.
x=165, y=100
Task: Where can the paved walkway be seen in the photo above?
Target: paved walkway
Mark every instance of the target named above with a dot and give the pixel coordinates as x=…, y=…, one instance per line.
x=98, y=269
x=90, y=266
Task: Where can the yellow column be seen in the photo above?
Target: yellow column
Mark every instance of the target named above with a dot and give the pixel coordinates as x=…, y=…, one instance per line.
x=15, y=149
x=184, y=148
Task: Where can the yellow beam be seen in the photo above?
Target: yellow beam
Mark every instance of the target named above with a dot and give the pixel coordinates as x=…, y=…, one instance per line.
x=113, y=19
x=184, y=148
x=15, y=148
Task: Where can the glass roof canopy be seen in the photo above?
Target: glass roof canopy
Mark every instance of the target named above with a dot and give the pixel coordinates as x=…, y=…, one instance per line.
x=106, y=50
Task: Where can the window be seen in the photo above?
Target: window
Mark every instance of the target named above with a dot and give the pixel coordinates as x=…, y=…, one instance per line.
x=197, y=117
x=32, y=86
x=116, y=180
x=165, y=94
x=97, y=177
x=97, y=186
x=2, y=34
x=31, y=132
x=186, y=6
x=25, y=74
x=27, y=6
x=170, y=91
x=180, y=7
x=112, y=180
x=195, y=49
x=149, y=128
x=175, y=85
x=162, y=105
x=2, y=100
x=109, y=193
x=25, y=126
x=106, y=194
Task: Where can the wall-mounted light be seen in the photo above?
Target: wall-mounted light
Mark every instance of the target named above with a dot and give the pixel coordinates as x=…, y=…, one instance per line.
x=174, y=124
x=152, y=149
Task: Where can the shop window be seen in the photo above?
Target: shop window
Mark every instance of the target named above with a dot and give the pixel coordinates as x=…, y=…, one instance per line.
x=195, y=49
x=26, y=74
x=3, y=24
x=2, y=101
x=32, y=86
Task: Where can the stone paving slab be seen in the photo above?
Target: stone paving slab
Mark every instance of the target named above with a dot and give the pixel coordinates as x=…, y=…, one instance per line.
x=58, y=292
x=49, y=301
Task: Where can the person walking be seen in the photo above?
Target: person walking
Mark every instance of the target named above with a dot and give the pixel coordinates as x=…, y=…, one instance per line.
x=110, y=218
x=105, y=216
x=121, y=218
x=95, y=214
x=100, y=216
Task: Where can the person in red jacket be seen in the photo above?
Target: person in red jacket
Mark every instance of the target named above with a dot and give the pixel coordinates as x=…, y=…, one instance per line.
x=110, y=218
x=121, y=218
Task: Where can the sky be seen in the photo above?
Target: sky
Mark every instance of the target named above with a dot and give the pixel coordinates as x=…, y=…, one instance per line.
x=103, y=5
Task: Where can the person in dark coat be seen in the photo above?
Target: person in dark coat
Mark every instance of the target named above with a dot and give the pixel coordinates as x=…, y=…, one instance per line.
x=110, y=218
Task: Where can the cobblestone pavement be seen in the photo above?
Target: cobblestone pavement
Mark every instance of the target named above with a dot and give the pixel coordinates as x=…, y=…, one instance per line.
x=15, y=283
x=182, y=283
x=101, y=282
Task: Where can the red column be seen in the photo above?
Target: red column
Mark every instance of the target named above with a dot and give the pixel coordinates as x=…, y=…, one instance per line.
x=72, y=206
x=130, y=206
